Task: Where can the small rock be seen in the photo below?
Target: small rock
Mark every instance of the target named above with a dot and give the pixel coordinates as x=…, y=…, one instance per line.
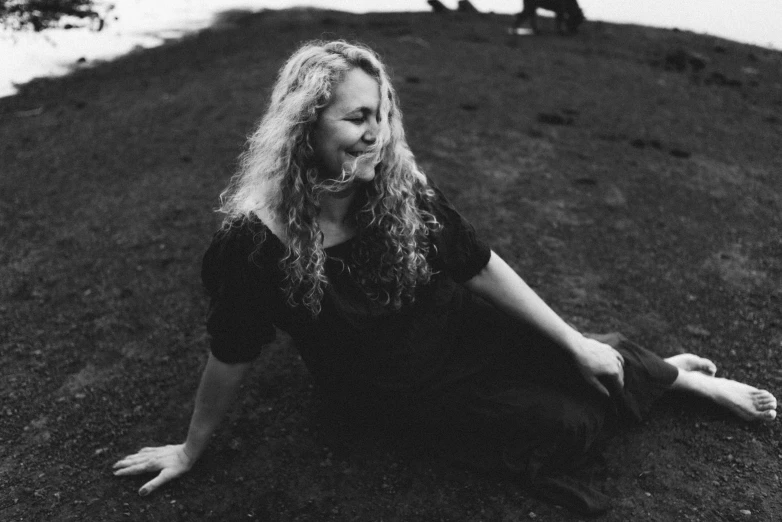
x=719, y=79
x=678, y=153
x=614, y=198
x=697, y=331
x=554, y=119
x=679, y=59
x=414, y=40
x=745, y=512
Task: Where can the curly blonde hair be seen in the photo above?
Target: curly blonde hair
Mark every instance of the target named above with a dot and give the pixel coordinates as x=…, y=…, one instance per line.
x=278, y=182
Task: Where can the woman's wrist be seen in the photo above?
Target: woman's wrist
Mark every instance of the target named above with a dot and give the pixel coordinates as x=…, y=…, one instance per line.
x=191, y=453
x=194, y=446
x=572, y=340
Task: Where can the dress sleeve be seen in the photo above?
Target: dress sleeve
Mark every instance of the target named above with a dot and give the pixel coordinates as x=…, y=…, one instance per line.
x=239, y=289
x=457, y=249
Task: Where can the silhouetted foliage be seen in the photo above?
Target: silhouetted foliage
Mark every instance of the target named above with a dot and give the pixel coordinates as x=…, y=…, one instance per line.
x=40, y=14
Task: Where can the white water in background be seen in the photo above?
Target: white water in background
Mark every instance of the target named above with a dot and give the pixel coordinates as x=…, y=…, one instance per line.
x=147, y=23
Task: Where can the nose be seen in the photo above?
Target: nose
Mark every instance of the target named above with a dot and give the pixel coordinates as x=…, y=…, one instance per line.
x=370, y=134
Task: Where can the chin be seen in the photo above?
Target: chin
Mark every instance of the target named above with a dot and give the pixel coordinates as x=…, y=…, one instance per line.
x=362, y=169
x=365, y=176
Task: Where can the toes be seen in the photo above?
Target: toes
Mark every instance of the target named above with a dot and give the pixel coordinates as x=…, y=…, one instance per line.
x=768, y=415
x=763, y=395
x=704, y=366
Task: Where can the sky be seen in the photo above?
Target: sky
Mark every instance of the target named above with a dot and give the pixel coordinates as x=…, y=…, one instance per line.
x=146, y=23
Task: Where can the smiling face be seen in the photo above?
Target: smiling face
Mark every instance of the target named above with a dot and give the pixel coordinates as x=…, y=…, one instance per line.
x=348, y=126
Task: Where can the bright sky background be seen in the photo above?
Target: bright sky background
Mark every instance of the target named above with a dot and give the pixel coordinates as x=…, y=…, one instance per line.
x=145, y=23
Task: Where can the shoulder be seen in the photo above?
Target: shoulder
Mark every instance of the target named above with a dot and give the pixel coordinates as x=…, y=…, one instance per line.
x=432, y=200
x=241, y=246
x=245, y=235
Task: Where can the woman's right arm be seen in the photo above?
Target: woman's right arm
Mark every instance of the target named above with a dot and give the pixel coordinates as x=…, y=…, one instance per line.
x=219, y=384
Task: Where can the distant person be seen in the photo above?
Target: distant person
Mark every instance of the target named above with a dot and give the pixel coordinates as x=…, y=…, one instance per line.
x=438, y=6
x=567, y=13
x=334, y=234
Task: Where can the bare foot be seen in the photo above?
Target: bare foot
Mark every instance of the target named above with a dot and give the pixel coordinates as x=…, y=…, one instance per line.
x=692, y=363
x=744, y=400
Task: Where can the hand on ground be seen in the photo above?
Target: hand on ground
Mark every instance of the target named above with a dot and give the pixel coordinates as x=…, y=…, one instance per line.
x=171, y=461
x=595, y=359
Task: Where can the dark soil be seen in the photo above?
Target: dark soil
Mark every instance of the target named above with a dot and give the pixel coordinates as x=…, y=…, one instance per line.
x=631, y=175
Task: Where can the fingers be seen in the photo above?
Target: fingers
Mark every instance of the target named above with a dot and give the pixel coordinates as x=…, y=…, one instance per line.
x=163, y=477
x=130, y=460
x=619, y=358
x=599, y=385
x=145, y=460
x=144, y=454
x=136, y=469
x=620, y=372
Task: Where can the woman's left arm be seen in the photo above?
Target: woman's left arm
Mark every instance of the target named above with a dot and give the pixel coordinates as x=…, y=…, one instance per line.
x=499, y=284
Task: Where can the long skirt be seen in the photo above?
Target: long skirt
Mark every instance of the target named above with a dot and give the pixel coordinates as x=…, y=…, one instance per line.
x=531, y=413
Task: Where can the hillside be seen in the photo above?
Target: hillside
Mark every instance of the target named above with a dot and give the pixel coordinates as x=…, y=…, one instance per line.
x=631, y=175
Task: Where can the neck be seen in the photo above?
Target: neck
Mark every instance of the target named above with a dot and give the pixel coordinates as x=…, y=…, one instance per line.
x=334, y=207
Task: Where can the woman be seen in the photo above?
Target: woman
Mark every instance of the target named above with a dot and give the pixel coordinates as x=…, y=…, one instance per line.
x=333, y=234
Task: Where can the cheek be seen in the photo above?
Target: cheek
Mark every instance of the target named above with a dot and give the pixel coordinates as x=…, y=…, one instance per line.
x=345, y=134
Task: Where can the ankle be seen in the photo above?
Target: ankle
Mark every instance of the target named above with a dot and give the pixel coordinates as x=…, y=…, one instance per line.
x=695, y=382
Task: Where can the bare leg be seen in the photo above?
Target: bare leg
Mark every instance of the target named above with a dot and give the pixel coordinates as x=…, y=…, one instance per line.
x=693, y=363
x=744, y=400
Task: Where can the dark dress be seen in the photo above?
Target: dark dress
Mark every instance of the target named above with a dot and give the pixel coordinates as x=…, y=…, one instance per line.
x=492, y=392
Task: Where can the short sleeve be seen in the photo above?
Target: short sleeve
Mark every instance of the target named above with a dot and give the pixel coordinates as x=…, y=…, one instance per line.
x=239, y=320
x=457, y=249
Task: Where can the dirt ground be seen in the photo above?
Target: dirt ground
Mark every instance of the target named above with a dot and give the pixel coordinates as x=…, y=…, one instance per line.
x=631, y=175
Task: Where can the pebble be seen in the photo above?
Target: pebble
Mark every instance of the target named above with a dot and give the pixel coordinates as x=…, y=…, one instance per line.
x=746, y=512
